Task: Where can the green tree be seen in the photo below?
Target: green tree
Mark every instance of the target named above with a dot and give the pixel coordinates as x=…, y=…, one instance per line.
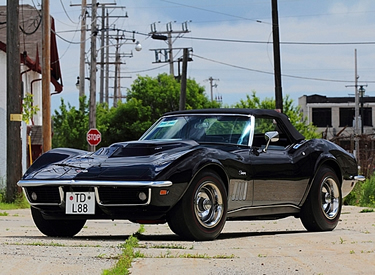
x=70, y=125
x=293, y=112
x=162, y=94
x=29, y=109
x=128, y=121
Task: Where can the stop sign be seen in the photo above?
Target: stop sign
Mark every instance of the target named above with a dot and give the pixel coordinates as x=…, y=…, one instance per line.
x=93, y=137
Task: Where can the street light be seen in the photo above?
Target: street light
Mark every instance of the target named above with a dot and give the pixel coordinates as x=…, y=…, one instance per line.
x=362, y=91
x=138, y=46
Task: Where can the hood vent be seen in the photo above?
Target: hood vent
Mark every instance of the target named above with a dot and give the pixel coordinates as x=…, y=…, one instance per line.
x=145, y=148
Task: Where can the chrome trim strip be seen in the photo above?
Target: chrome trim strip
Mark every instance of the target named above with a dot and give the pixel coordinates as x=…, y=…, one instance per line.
x=27, y=183
x=40, y=203
x=138, y=204
x=263, y=207
x=359, y=178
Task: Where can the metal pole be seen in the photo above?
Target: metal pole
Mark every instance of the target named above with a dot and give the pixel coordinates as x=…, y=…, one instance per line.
x=107, y=60
x=115, y=94
x=92, y=111
x=211, y=88
x=46, y=76
x=276, y=57
x=82, y=50
x=170, y=46
x=183, y=80
x=356, y=108
x=101, y=91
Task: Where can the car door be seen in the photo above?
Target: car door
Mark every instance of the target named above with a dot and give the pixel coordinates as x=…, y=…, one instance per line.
x=279, y=173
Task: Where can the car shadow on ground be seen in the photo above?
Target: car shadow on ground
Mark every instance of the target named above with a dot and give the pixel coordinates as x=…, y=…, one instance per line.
x=161, y=237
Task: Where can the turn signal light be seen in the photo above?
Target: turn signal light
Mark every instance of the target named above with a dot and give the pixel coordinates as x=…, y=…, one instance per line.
x=163, y=192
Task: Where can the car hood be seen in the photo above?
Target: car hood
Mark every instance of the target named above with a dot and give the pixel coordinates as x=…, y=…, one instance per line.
x=135, y=160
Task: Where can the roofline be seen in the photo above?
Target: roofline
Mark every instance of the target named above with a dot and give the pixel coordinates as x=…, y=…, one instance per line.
x=295, y=135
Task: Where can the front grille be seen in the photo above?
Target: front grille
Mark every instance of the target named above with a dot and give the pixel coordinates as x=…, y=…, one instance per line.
x=122, y=195
x=43, y=194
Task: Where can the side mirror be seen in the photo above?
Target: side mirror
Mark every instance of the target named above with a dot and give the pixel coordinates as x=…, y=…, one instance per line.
x=272, y=136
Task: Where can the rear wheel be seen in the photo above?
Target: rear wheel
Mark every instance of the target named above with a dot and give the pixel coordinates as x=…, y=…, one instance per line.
x=200, y=215
x=56, y=228
x=322, y=209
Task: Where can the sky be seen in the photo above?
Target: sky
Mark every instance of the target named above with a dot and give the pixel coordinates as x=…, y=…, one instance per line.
x=232, y=43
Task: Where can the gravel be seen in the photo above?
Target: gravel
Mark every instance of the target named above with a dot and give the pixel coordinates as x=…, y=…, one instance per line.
x=246, y=247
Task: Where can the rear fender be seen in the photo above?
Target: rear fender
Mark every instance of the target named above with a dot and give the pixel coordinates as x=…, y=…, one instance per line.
x=324, y=160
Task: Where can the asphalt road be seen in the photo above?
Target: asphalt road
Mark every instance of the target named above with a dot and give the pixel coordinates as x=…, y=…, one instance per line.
x=251, y=247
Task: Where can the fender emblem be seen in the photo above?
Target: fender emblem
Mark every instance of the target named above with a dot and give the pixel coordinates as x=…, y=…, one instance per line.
x=242, y=173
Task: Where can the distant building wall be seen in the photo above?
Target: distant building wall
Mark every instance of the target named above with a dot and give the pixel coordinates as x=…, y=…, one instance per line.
x=334, y=115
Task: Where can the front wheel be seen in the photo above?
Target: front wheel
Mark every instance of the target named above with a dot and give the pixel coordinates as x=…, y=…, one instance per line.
x=322, y=209
x=56, y=228
x=200, y=215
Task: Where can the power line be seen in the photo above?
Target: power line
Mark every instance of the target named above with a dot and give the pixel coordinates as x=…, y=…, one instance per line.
x=147, y=70
x=271, y=73
x=283, y=43
x=217, y=12
x=66, y=13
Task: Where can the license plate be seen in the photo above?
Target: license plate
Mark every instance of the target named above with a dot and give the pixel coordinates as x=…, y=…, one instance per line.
x=80, y=203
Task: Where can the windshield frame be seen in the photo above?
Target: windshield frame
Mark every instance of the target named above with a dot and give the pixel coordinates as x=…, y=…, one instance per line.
x=248, y=129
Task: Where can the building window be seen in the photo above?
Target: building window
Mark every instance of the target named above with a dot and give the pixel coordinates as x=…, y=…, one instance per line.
x=322, y=117
x=367, y=116
x=347, y=116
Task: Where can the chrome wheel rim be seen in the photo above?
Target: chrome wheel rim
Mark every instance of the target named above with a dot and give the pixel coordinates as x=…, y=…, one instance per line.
x=330, y=198
x=208, y=205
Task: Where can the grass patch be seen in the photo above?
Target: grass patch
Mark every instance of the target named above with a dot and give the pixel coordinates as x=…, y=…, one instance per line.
x=38, y=244
x=168, y=246
x=367, y=210
x=195, y=256
x=4, y=214
x=19, y=203
x=128, y=254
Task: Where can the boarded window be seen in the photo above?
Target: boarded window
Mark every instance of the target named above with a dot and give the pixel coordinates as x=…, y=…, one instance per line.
x=347, y=116
x=322, y=117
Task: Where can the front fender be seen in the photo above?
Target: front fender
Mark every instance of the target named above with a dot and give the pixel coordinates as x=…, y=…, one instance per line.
x=52, y=156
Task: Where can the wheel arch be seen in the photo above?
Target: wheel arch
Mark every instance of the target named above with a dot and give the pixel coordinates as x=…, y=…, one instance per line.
x=328, y=162
x=331, y=163
x=218, y=169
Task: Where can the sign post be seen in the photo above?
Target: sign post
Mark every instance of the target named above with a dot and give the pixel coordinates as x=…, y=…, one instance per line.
x=93, y=137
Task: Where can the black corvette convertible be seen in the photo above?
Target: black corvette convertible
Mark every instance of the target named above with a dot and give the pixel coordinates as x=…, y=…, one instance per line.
x=195, y=170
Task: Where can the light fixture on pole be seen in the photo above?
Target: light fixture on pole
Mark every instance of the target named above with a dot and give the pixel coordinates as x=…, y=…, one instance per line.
x=138, y=46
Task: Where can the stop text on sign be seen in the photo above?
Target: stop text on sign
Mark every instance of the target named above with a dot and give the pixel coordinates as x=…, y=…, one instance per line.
x=93, y=137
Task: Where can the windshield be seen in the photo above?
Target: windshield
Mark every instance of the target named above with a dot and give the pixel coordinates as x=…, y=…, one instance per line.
x=202, y=128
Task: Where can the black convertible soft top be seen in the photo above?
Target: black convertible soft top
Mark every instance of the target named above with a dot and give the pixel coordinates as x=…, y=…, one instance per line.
x=294, y=134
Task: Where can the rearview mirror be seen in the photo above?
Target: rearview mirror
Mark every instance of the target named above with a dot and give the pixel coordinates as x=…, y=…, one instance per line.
x=272, y=136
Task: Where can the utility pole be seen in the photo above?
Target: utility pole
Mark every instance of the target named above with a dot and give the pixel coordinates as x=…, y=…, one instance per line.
x=276, y=57
x=46, y=76
x=92, y=107
x=102, y=36
x=167, y=36
x=14, y=100
x=82, y=53
x=106, y=83
x=356, y=108
x=117, y=65
x=212, y=85
x=183, y=79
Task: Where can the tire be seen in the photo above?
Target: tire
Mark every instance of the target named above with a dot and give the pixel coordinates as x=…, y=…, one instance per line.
x=56, y=228
x=201, y=213
x=322, y=208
